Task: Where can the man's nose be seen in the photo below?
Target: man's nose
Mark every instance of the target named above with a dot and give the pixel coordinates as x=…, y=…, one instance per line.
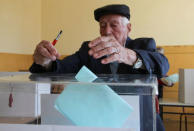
x=108, y=30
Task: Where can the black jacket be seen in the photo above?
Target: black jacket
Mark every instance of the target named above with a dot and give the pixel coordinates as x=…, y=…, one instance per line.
x=154, y=62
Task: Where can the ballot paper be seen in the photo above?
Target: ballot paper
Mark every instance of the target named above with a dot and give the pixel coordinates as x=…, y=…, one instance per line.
x=173, y=78
x=85, y=75
x=92, y=105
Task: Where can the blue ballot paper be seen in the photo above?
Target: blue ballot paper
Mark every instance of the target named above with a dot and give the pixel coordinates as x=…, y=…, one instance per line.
x=91, y=104
x=173, y=78
x=85, y=75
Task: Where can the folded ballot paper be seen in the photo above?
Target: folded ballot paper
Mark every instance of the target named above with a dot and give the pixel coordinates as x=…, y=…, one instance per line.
x=92, y=105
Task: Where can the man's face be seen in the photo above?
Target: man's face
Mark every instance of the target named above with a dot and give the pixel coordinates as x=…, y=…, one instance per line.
x=114, y=25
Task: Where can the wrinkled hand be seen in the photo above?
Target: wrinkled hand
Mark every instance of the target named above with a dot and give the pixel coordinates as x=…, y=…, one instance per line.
x=45, y=53
x=110, y=47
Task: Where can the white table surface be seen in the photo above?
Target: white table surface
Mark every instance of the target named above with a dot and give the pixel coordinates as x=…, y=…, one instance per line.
x=29, y=127
x=173, y=102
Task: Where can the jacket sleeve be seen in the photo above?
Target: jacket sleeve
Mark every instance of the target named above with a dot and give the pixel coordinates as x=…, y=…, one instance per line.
x=153, y=61
x=70, y=64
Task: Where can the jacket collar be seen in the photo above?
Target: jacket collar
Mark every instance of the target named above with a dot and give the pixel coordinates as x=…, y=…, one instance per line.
x=127, y=41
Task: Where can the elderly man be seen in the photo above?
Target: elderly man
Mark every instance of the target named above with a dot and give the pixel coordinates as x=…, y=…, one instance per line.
x=114, y=45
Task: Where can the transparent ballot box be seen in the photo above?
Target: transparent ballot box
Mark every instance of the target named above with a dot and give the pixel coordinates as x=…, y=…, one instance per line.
x=121, y=102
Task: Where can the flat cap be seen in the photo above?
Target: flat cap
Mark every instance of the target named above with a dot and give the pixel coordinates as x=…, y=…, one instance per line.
x=120, y=9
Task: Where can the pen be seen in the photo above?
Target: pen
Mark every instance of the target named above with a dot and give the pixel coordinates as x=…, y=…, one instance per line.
x=57, y=38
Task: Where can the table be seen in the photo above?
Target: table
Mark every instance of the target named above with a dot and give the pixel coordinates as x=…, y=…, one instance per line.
x=31, y=127
x=174, y=103
x=18, y=120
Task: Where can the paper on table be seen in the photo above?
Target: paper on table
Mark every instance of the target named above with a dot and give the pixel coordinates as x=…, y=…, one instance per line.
x=174, y=78
x=92, y=105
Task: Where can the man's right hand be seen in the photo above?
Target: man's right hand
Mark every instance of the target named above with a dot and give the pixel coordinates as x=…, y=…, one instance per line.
x=45, y=53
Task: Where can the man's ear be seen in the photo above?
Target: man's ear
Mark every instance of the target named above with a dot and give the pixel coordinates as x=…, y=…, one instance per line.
x=129, y=27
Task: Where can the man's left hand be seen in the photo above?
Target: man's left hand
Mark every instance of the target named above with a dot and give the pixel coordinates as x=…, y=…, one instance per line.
x=110, y=47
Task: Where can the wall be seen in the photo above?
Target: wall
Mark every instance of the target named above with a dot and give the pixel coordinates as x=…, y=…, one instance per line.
x=15, y=62
x=169, y=22
x=179, y=57
x=23, y=23
x=20, y=25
